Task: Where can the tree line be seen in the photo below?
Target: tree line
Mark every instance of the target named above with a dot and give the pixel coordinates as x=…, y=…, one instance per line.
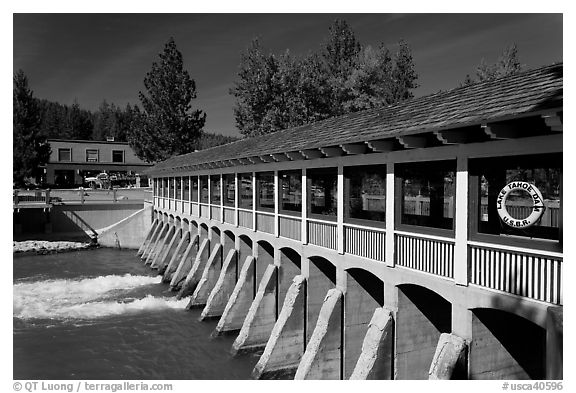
x=272, y=92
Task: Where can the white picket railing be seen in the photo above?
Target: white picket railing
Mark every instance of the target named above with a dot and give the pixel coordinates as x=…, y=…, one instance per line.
x=425, y=253
x=365, y=242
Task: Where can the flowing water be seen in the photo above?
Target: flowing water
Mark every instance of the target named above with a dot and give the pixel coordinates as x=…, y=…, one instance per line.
x=102, y=314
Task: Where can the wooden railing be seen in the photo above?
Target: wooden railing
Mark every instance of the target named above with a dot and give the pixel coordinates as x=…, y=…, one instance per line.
x=245, y=218
x=215, y=212
x=425, y=253
x=322, y=233
x=229, y=215
x=537, y=276
x=204, y=211
x=365, y=242
x=290, y=227
x=265, y=222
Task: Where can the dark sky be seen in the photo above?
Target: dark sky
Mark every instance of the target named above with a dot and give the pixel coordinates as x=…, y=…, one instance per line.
x=92, y=57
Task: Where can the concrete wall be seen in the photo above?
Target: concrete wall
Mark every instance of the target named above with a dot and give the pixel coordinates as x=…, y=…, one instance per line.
x=422, y=316
x=73, y=220
x=128, y=233
x=505, y=346
x=321, y=278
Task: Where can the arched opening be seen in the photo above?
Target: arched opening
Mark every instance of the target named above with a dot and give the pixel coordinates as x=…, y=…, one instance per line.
x=228, y=242
x=203, y=232
x=364, y=294
x=506, y=346
x=321, y=278
x=290, y=266
x=193, y=228
x=422, y=317
x=215, y=233
x=264, y=257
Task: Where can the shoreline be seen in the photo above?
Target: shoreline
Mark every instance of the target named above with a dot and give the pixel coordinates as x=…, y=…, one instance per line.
x=42, y=247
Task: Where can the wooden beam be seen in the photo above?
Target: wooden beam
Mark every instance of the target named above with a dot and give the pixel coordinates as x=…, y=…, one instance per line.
x=354, y=148
x=334, y=151
x=255, y=160
x=381, y=146
x=311, y=154
x=502, y=131
x=412, y=141
x=449, y=137
x=280, y=157
x=554, y=121
x=245, y=161
x=295, y=155
x=267, y=158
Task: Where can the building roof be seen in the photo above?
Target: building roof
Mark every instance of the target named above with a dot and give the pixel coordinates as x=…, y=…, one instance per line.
x=530, y=92
x=86, y=141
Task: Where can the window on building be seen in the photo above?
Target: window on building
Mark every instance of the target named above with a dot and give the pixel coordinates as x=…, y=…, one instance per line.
x=228, y=188
x=245, y=192
x=92, y=155
x=117, y=155
x=203, y=189
x=427, y=191
x=194, y=188
x=215, y=190
x=65, y=155
x=165, y=187
x=178, y=188
x=366, y=191
x=322, y=188
x=265, y=194
x=186, y=188
x=291, y=191
x=490, y=176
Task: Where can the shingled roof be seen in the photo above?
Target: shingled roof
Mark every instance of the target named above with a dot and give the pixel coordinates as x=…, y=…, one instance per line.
x=533, y=91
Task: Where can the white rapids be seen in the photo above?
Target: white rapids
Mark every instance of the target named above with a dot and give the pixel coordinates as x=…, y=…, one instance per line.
x=86, y=298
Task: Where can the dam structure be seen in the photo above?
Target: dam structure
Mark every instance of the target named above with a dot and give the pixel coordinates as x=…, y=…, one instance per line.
x=422, y=240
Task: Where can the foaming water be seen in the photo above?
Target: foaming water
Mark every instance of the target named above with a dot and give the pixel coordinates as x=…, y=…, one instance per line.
x=82, y=299
x=102, y=314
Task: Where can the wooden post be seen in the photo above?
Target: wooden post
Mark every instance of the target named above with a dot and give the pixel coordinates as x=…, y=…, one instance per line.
x=222, y=202
x=82, y=196
x=277, y=196
x=47, y=196
x=113, y=194
x=390, y=211
x=340, y=210
x=236, y=199
x=304, y=207
x=254, y=201
x=461, y=223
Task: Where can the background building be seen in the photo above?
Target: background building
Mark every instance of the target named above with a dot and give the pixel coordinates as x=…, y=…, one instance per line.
x=71, y=161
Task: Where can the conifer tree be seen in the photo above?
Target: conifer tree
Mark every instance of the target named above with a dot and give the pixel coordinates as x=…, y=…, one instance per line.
x=30, y=149
x=168, y=125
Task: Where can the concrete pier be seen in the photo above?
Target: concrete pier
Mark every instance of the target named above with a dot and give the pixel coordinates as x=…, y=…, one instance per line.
x=163, y=245
x=239, y=301
x=261, y=316
x=449, y=359
x=322, y=358
x=164, y=258
x=285, y=346
x=156, y=244
x=184, y=265
x=376, y=358
x=149, y=235
x=176, y=257
x=221, y=292
x=208, y=280
x=195, y=273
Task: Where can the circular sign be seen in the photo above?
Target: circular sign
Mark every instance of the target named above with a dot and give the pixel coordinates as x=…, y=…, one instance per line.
x=537, y=205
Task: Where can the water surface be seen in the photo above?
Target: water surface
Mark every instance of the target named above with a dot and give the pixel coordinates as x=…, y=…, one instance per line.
x=102, y=314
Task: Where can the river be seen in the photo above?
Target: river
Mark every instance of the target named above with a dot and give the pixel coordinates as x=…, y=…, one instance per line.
x=103, y=314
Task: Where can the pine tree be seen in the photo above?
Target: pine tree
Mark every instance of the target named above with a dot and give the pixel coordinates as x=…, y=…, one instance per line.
x=30, y=149
x=403, y=73
x=507, y=64
x=169, y=125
